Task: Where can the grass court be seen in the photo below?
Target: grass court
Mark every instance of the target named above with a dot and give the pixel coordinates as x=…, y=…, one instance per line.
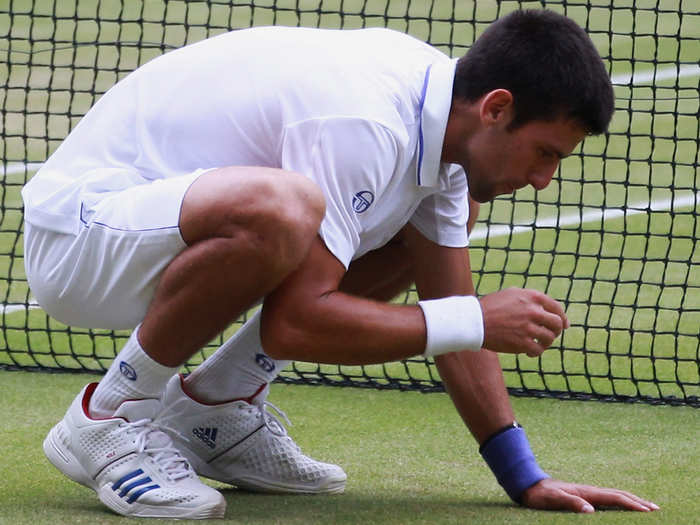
x=613, y=238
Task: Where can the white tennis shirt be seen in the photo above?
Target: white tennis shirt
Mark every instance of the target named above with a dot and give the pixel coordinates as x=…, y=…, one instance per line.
x=362, y=113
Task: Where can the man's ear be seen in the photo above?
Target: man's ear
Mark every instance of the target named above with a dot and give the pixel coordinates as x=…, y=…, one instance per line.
x=496, y=106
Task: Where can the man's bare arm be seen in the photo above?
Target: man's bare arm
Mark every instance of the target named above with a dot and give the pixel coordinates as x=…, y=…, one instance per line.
x=308, y=318
x=474, y=381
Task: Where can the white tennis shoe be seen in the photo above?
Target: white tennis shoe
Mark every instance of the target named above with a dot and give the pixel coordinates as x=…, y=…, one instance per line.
x=242, y=444
x=129, y=462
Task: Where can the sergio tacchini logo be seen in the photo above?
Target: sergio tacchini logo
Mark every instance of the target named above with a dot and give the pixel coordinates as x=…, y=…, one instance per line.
x=362, y=201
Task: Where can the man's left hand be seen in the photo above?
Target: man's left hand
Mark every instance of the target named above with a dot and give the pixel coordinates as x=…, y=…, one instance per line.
x=552, y=494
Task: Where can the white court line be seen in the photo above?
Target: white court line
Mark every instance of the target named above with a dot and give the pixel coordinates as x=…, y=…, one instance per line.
x=11, y=308
x=604, y=214
x=687, y=70
x=15, y=168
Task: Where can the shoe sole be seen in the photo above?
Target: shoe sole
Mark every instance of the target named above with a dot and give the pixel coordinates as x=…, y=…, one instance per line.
x=118, y=505
x=64, y=460
x=253, y=484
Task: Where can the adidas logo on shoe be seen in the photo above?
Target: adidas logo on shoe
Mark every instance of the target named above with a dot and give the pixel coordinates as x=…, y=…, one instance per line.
x=207, y=435
x=147, y=478
x=135, y=489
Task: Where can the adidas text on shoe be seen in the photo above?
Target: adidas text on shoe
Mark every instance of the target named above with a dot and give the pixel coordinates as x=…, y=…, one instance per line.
x=129, y=462
x=244, y=445
x=207, y=435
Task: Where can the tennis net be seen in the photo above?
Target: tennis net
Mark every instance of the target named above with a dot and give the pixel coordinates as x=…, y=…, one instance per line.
x=613, y=237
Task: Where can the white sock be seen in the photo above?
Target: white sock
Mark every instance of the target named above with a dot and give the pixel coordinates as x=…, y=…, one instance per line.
x=237, y=369
x=132, y=375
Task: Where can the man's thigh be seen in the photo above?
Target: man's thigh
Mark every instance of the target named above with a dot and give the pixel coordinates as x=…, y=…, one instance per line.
x=105, y=276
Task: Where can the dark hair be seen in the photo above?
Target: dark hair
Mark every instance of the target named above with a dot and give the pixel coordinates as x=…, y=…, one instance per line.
x=547, y=62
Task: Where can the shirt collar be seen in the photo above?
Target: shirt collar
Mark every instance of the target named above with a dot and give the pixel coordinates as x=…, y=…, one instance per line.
x=435, y=103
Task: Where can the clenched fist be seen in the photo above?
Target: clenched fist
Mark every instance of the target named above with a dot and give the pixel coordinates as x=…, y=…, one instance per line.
x=518, y=320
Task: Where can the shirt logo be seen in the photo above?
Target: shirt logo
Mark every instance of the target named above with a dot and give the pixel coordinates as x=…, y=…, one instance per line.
x=362, y=201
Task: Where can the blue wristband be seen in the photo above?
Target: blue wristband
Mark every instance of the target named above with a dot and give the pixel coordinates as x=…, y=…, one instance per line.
x=510, y=458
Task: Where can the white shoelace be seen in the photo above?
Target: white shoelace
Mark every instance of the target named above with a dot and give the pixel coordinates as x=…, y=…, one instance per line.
x=271, y=421
x=273, y=424
x=156, y=443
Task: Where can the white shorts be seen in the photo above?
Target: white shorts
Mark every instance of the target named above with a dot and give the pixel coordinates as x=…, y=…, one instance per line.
x=105, y=276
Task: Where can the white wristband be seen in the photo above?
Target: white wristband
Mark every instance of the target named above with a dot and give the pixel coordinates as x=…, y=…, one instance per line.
x=453, y=324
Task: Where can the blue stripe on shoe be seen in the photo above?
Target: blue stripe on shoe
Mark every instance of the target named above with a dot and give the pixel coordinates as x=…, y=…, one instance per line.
x=126, y=478
x=138, y=493
x=135, y=484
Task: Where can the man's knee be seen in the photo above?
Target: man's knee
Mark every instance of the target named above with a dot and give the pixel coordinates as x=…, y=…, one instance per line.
x=297, y=205
x=272, y=213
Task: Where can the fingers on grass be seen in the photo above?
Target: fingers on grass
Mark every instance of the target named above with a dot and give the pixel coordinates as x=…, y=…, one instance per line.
x=563, y=500
x=614, y=498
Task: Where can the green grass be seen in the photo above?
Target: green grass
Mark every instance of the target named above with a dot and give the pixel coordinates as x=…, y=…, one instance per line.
x=408, y=457
x=630, y=285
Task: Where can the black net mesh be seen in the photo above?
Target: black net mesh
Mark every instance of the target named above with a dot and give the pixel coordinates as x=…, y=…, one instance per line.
x=613, y=237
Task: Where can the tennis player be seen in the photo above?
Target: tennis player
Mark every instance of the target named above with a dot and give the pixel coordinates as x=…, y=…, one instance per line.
x=318, y=173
